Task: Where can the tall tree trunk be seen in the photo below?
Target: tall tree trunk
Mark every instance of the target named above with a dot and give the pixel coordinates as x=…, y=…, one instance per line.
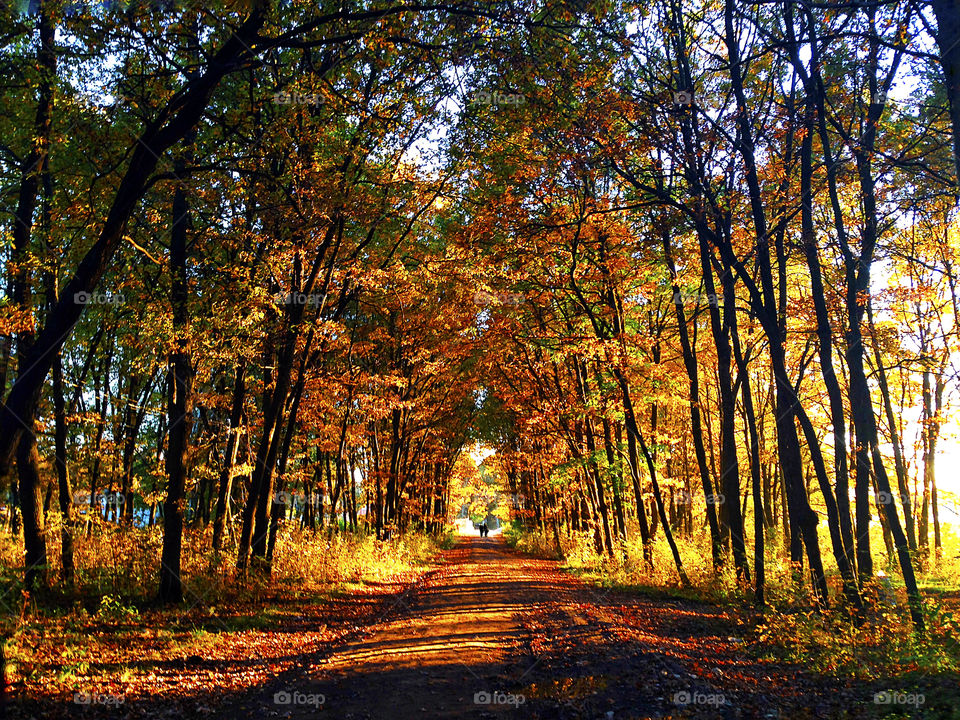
x=179, y=410
x=837, y=506
x=584, y=391
x=861, y=403
x=616, y=481
x=35, y=543
x=818, y=293
x=634, y=462
x=658, y=498
x=390, y=510
x=283, y=457
x=690, y=363
x=765, y=306
x=729, y=466
x=928, y=440
x=260, y=500
x=759, y=538
x=254, y=538
x=20, y=430
x=934, y=436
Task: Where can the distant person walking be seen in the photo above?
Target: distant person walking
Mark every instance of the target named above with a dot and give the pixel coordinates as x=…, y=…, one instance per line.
x=484, y=530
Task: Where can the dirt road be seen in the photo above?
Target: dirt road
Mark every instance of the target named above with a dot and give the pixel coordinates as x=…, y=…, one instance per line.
x=492, y=634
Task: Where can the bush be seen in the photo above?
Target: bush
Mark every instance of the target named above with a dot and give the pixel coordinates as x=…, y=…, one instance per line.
x=116, y=567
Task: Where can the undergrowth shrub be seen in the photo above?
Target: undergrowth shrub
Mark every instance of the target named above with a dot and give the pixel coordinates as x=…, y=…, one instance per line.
x=840, y=642
x=116, y=567
x=303, y=556
x=881, y=641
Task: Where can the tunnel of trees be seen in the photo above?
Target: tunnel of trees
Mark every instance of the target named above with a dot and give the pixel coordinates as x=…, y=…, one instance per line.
x=686, y=268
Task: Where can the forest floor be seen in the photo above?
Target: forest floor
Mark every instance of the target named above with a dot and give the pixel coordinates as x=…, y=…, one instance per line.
x=485, y=633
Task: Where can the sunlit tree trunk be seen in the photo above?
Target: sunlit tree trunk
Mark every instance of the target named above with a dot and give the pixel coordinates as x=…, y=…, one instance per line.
x=63, y=473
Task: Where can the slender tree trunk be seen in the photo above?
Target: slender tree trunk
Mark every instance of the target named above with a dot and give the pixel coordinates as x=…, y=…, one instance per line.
x=928, y=437
x=35, y=543
x=759, y=537
x=765, y=306
x=895, y=441
x=729, y=466
x=634, y=462
x=289, y=431
x=858, y=286
x=934, y=435
x=63, y=473
x=838, y=517
x=599, y=489
x=824, y=330
x=234, y=432
x=690, y=363
x=259, y=501
x=616, y=482
x=658, y=498
x=179, y=410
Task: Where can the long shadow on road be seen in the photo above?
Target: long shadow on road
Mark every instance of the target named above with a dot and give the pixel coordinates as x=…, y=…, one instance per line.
x=492, y=633
x=454, y=648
